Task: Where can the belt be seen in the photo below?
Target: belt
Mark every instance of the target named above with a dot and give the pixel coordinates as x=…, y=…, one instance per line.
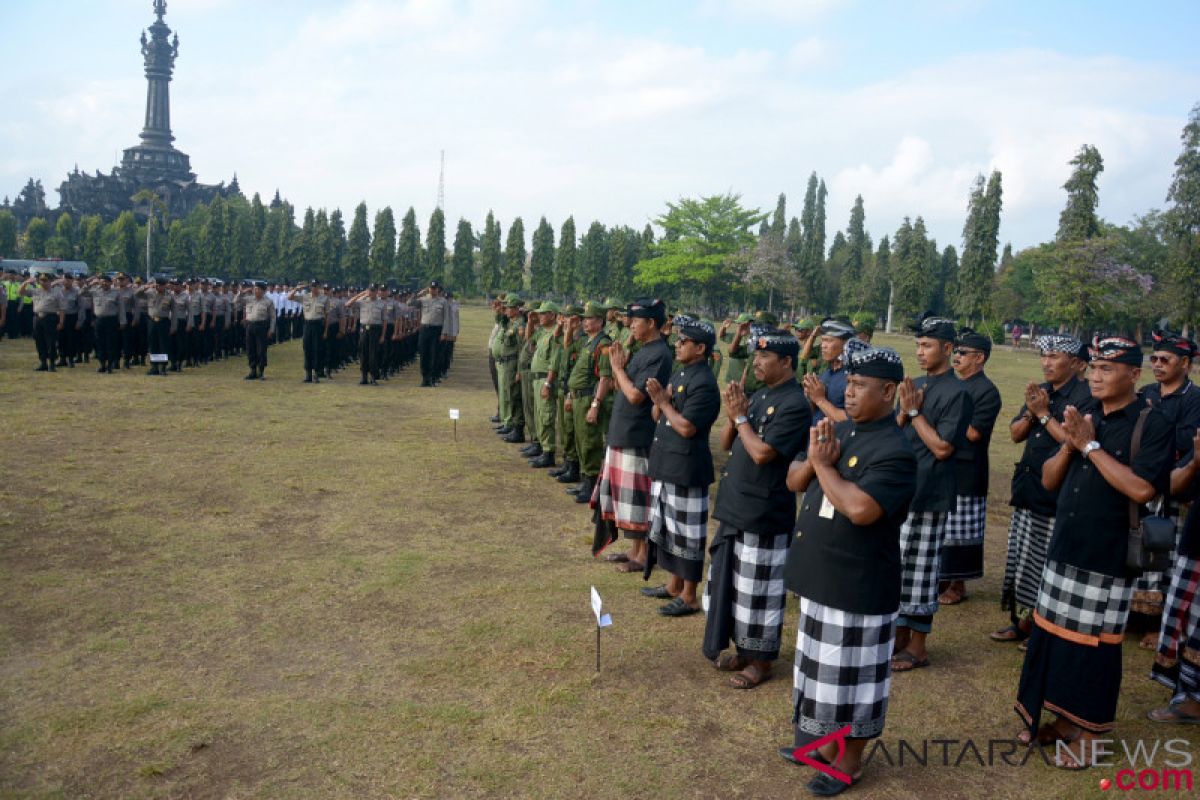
x=582, y=392
x=538, y=376
x=507, y=359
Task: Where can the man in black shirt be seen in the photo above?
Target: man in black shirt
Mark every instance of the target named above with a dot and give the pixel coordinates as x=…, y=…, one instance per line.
x=622, y=495
x=744, y=597
x=962, y=549
x=1039, y=426
x=1073, y=666
x=681, y=466
x=934, y=412
x=1178, y=399
x=844, y=563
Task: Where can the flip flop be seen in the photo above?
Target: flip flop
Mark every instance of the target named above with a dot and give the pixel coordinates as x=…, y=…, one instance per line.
x=1010, y=634
x=905, y=657
x=729, y=662
x=678, y=608
x=630, y=566
x=742, y=680
x=1171, y=714
x=825, y=785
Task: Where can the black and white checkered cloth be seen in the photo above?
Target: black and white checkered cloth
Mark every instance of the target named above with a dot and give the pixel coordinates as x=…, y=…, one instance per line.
x=758, y=595
x=1056, y=343
x=920, y=556
x=679, y=522
x=1150, y=588
x=1083, y=602
x=1028, y=541
x=1181, y=614
x=965, y=527
x=843, y=670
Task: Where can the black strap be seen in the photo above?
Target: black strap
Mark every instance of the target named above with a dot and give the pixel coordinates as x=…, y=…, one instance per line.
x=1135, y=445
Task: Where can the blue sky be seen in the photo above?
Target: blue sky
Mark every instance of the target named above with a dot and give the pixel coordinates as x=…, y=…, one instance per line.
x=606, y=110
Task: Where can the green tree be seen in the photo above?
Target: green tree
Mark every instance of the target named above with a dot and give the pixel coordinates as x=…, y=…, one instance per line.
x=778, y=227
x=981, y=236
x=62, y=244
x=646, y=245
x=123, y=251
x=462, y=275
x=213, y=244
x=946, y=282
x=1088, y=286
x=622, y=244
x=490, y=257
x=564, y=260
x=266, y=253
x=910, y=272
x=381, y=261
x=541, y=259
x=512, y=277
x=304, y=248
x=8, y=234
x=1182, y=276
x=1078, y=219
x=358, y=248
x=181, y=248
x=592, y=261
x=408, y=252
x=878, y=281
x=435, y=247
x=37, y=233
x=337, y=233
x=90, y=229
x=701, y=238
x=1016, y=295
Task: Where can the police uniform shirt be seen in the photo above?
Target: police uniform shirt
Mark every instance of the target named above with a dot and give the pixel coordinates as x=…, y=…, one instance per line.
x=971, y=459
x=674, y=458
x=106, y=302
x=159, y=304
x=128, y=294
x=433, y=309
x=46, y=301
x=452, y=323
x=261, y=310
x=630, y=425
x=206, y=303
x=221, y=307
x=1182, y=409
x=370, y=312
x=315, y=308
x=1027, y=489
x=1091, y=524
x=70, y=300
x=195, y=304
x=754, y=497
x=180, y=306
x=947, y=408
x=856, y=568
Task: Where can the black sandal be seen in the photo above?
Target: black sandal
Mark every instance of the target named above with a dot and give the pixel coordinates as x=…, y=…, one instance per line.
x=1012, y=633
x=678, y=608
x=657, y=592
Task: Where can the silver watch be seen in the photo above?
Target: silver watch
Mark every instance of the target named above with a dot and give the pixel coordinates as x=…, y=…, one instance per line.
x=913, y=413
x=1044, y=420
x=740, y=419
x=1089, y=448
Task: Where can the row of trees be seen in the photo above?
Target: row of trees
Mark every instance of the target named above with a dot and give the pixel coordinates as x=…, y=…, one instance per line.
x=712, y=253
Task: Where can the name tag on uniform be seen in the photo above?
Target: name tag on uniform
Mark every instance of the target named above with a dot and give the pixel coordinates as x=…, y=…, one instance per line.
x=827, y=509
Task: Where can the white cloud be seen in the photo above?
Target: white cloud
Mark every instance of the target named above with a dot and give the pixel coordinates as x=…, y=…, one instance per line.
x=789, y=11
x=810, y=52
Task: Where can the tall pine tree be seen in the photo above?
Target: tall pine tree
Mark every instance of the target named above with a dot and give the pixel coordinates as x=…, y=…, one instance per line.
x=541, y=259
x=358, y=248
x=381, y=260
x=512, y=276
x=1078, y=219
x=435, y=248
x=564, y=260
x=490, y=259
x=981, y=237
x=1183, y=225
x=462, y=264
x=408, y=251
x=592, y=261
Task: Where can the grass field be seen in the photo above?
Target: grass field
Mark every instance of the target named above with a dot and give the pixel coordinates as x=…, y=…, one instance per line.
x=215, y=588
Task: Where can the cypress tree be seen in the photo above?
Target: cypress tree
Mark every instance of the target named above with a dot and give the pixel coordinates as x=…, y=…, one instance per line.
x=489, y=255
x=541, y=261
x=564, y=260
x=381, y=259
x=434, y=266
x=512, y=276
x=1078, y=219
x=462, y=272
x=358, y=248
x=408, y=261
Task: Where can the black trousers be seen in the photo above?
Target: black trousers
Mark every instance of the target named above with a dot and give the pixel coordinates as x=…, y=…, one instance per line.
x=314, y=345
x=368, y=350
x=68, y=338
x=26, y=319
x=428, y=343
x=256, y=343
x=218, y=337
x=445, y=356
x=12, y=323
x=160, y=339
x=45, y=337
x=129, y=339
x=108, y=352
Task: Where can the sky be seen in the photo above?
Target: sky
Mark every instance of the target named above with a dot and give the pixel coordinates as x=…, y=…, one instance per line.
x=607, y=110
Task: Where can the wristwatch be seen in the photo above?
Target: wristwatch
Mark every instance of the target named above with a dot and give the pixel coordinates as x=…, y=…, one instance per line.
x=913, y=413
x=1044, y=420
x=1089, y=447
x=595, y=404
x=740, y=419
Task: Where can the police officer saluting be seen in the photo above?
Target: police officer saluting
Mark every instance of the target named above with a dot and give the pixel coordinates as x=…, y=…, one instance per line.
x=433, y=319
x=315, y=304
x=260, y=328
x=48, y=318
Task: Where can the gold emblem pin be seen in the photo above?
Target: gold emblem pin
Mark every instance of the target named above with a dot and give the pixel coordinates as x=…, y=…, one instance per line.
x=853, y=460
x=771, y=410
x=679, y=390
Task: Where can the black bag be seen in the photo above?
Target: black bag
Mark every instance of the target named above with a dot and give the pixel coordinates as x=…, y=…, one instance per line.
x=1151, y=539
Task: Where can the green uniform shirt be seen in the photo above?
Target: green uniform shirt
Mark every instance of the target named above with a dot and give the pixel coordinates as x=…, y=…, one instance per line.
x=496, y=343
x=545, y=352
x=525, y=354
x=510, y=339
x=591, y=362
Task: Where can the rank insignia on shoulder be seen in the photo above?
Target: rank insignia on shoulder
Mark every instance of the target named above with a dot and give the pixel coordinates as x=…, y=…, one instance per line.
x=771, y=410
x=853, y=460
x=679, y=390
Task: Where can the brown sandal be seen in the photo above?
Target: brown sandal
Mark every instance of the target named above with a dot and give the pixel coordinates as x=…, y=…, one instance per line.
x=730, y=662
x=630, y=566
x=750, y=677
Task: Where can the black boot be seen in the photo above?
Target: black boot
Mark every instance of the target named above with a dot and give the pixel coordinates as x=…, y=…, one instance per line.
x=153, y=370
x=560, y=469
x=545, y=460
x=102, y=368
x=252, y=376
x=516, y=436
x=586, y=486
x=532, y=451
x=569, y=473
x=504, y=430
x=495, y=418
x=42, y=368
x=308, y=376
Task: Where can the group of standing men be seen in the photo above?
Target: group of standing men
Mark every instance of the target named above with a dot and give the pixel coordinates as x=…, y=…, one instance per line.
x=891, y=478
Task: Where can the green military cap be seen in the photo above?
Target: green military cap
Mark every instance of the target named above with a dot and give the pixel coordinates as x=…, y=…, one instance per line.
x=767, y=318
x=591, y=309
x=744, y=317
x=864, y=323
x=805, y=324
x=549, y=307
x=612, y=302
x=573, y=310
x=513, y=302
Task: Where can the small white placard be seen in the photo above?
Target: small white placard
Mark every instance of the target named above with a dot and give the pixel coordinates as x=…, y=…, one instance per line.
x=454, y=413
x=159, y=358
x=602, y=620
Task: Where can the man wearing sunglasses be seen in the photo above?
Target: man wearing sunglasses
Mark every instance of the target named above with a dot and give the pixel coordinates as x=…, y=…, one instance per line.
x=962, y=547
x=1178, y=399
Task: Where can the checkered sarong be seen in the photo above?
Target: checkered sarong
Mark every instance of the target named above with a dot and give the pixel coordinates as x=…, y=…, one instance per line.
x=962, y=544
x=758, y=595
x=1082, y=606
x=1028, y=541
x=623, y=491
x=1180, y=632
x=679, y=524
x=843, y=670
x=920, y=552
